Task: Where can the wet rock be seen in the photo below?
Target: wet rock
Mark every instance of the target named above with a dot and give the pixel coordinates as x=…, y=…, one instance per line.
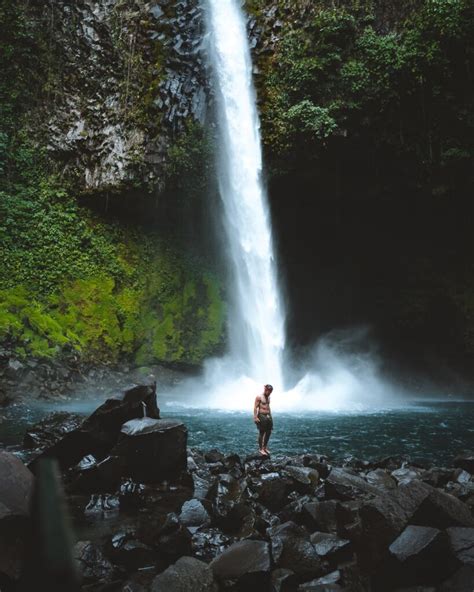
x=461, y=543
x=305, y=479
x=322, y=515
x=131, y=553
x=51, y=429
x=407, y=474
x=186, y=575
x=442, y=510
x=272, y=490
x=381, y=479
x=152, y=449
x=202, y=487
x=284, y=580
x=173, y=540
x=245, y=561
x=99, y=432
x=292, y=549
x=461, y=476
x=214, y=456
x=227, y=496
x=193, y=513
x=323, y=584
x=208, y=543
x=294, y=511
x=330, y=546
x=344, y=486
x=465, y=461
x=93, y=566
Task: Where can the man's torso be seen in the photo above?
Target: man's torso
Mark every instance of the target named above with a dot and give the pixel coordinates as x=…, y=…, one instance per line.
x=264, y=405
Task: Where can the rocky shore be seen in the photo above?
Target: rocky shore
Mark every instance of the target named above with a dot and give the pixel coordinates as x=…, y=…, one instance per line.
x=151, y=515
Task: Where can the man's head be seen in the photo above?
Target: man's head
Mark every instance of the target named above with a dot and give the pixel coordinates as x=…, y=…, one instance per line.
x=268, y=389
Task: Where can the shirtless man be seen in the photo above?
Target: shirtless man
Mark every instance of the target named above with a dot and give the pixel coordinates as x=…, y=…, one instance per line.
x=262, y=417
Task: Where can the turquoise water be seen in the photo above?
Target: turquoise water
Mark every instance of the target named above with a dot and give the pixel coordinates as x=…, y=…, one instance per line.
x=434, y=432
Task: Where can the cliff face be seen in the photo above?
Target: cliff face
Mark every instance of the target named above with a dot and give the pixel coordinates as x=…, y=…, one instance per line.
x=124, y=77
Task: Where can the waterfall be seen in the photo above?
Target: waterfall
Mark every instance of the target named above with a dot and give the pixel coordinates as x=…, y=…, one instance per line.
x=256, y=316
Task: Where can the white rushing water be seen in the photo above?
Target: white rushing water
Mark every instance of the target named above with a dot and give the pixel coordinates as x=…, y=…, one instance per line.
x=256, y=317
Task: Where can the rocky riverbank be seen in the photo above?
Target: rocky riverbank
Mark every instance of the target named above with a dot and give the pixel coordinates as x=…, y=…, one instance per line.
x=152, y=515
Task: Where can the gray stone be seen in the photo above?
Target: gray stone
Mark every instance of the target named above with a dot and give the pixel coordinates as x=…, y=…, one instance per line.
x=193, y=513
x=342, y=485
x=381, y=479
x=186, y=575
x=292, y=549
x=322, y=515
x=413, y=541
x=328, y=544
x=461, y=543
x=244, y=557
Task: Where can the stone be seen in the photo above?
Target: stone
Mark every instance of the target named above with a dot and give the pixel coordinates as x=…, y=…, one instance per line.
x=328, y=546
x=93, y=566
x=16, y=491
x=322, y=515
x=186, y=575
x=214, y=456
x=272, y=490
x=323, y=584
x=413, y=541
x=152, y=449
x=284, y=580
x=461, y=543
x=381, y=479
x=442, y=510
x=292, y=549
x=208, y=543
x=407, y=474
x=242, y=558
x=461, y=581
x=193, y=513
x=100, y=431
x=51, y=429
x=304, y=478
x=344, y=486
x=465, y=461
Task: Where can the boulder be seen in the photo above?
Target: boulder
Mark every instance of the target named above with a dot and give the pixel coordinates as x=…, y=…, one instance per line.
x=16, y=490
x=131, y=553
x=51, y=429
x=186, y=575
x=293, y=549
x=305, y=479
x=322, y=515
x=331, y=547
x=93, y=566
x=284, y=580
x=442, y=510
x=465, y=461
x=193, y=513
x=381, y=479
x=100, y=431
x=407, y=474
x=461, y=543
x=328, y=582
x=243, y=559
x=272, y=490
x=208, y=543
x=152, y=449
x=460, y=581
x=344, y=486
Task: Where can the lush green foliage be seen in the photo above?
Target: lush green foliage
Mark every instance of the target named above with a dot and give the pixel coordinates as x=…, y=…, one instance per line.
x=404, y=89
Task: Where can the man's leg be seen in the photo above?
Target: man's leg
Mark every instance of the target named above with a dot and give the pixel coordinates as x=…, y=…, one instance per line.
x=266, y=437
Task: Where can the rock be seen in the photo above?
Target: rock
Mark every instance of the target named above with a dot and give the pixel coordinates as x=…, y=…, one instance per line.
x=461, y=476
x=305, y=479
x=442, y=510
x=323, y=584
x=272, y=490
x=131, y=553
x=93, y=566
x=407, y=474
x=214, y=456
x=242, y=560
x=461, y=581
x=186, y=575
x=51, y=429
x=284, y=580
x=292, y=549
x=208, y=543
x=152, y=449
x=413, y=541
x=461, y=543
x=322, y=515
x=99, y=432
x=381, y=479
x=16, y=490
x=330, y=546
x=465, y=461
x=344, y=486
x=193, y=513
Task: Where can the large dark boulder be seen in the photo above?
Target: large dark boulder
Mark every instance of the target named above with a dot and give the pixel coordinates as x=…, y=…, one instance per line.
x=248, y=562
x=461, y=543
x=331, y=547
x=98, y=433
x=194, y=514
x=92, y=564
x=50, y=430
x=16, y=490
x=272, y=490
x=442, y=510
x=321, y=516
x=344, y=486
x=293, y=549
x=186, y=575
x=152, y=449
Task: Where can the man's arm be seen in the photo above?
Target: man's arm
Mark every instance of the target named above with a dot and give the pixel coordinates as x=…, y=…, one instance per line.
x=255, y=409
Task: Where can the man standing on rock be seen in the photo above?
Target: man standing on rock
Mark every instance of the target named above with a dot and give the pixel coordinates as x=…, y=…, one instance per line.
x=262, y=417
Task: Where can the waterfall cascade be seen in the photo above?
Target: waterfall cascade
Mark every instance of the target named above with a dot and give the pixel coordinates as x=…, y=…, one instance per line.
x=256, y=317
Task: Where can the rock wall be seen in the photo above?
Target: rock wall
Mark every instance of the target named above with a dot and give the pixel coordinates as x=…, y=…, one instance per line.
x=123, y=77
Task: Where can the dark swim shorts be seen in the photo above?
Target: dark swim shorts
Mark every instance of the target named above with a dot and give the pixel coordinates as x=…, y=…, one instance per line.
x=266, y=423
